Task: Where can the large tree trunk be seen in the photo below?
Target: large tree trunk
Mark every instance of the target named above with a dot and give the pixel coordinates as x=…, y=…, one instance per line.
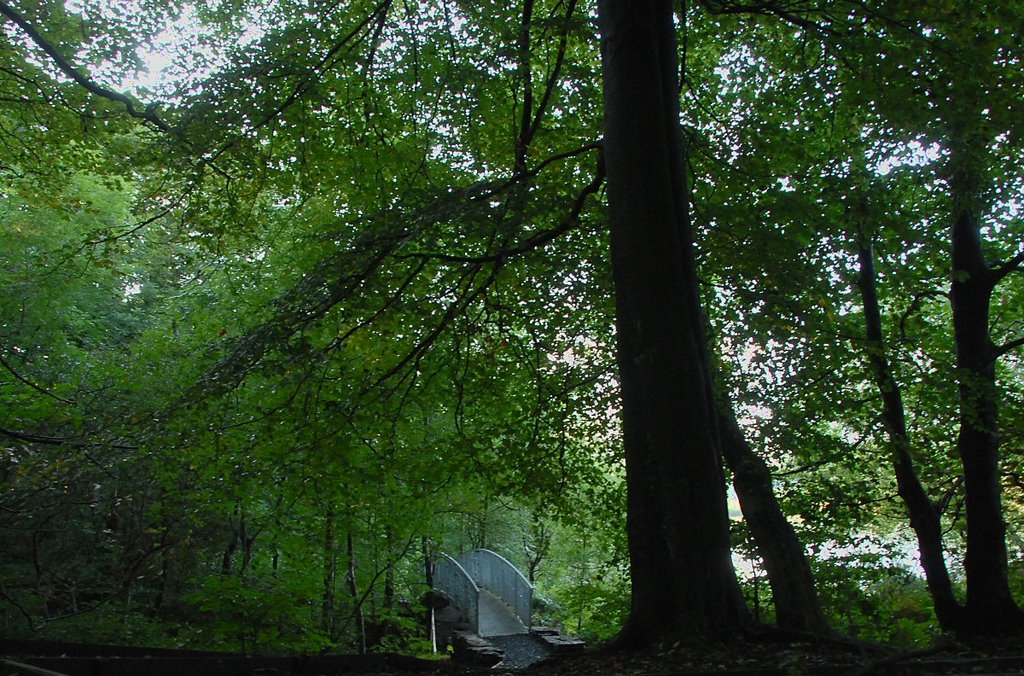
x=794, y=595
x=925, y=517
x=683, y=583
x=990, y=606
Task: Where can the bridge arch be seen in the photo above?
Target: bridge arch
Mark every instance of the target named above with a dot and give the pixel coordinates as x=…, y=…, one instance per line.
x=452, y=579
x=486, y=573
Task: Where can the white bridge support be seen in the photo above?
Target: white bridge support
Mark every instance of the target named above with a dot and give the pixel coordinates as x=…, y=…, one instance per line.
x=483, y=572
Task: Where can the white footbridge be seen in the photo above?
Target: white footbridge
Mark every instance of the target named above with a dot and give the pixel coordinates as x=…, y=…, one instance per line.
x=490, y=594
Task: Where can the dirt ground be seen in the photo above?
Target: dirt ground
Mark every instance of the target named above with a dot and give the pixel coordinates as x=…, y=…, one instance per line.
x=767, y=657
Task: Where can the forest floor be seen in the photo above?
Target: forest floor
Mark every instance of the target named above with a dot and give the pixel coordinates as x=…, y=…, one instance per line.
x=737, y=659
x=823, y=657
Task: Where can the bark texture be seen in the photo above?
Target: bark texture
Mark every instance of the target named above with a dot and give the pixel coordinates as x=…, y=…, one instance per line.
x=990, y=605
x=683, y=583
x=797, y=607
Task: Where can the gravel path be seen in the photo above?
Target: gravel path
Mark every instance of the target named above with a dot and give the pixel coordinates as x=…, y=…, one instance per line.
x=521, y=650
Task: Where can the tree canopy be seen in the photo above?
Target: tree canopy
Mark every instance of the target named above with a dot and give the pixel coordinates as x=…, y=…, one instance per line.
x=334, y=287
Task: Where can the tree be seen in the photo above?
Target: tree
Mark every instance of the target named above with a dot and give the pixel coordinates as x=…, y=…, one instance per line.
x=889, y=80
x=348, y=275
x=683, y=582
x=966, y=105
x=991, y=608
x=797, y=607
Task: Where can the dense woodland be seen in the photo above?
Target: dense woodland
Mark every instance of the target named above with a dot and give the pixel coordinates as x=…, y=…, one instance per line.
x=332, y=287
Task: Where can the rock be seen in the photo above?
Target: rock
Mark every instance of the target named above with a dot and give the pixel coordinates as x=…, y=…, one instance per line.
x=561, y=644
x=471, y=649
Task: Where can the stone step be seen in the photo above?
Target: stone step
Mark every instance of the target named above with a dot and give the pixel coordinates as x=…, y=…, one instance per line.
x=471, y=649
x=563, y=644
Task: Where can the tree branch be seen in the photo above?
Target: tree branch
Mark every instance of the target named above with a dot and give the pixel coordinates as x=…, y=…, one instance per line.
x=531, y=243
x=34, y=386
x=373, y=581
x=21, y=609
x=549, y=87
x=485, y=193
x=764, y=7
x=803, y=468
x=915, y=305
x=1010, y=266
x=34, y=438
x=391, y=302
x=61, y=441
x=334, y=279
x=379, y=13
x=524, y=136
x=457, y=306
x=320, y=290
x=135, y=227
x=147, y=115
x=1009, y=346
x=947, y=496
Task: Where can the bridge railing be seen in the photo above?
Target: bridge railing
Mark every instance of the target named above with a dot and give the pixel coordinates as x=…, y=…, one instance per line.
x=493, y=572
x=454, y=580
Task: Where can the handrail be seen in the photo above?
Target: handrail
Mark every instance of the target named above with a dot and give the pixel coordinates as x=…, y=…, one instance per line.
x=494, y=572
x=451, y=578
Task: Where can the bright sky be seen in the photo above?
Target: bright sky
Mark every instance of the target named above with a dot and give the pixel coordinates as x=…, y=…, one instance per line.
x=172, y=57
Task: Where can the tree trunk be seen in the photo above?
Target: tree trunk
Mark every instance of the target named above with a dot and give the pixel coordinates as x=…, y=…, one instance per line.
x=925, y=517
x=990, y=606
x=793, y=592
x=389, y=572
x=536, y=546
x=683, y=583
x=164, y=576
x=353, y=589
x=526, y=80
x=227, y=559
x=330, y=574
x=246, y=541
x=39, y=575
x=428, y=580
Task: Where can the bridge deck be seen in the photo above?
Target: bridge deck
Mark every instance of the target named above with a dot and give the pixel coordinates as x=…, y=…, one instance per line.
x=496, y=618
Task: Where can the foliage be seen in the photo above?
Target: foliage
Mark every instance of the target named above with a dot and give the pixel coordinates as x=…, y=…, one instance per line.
x=253, y=615
x=884, y=601
x=335, y=295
